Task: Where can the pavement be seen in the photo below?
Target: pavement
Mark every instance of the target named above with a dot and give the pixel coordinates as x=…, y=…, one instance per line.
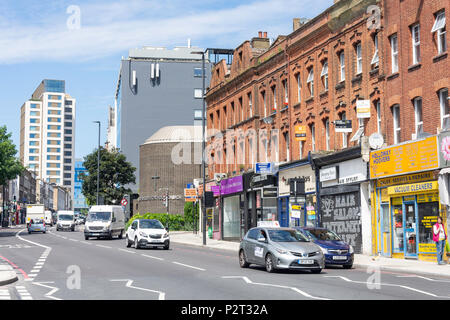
x=7, y=273
x=363, y=261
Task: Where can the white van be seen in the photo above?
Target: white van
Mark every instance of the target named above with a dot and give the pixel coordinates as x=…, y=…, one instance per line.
x=65, y=220
x=48, y=217
x=105, y=221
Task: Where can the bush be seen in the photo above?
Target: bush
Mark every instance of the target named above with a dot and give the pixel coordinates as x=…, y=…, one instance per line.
x=175, y=222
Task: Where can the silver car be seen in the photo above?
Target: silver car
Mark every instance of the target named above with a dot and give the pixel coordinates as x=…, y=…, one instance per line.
x=280, y=248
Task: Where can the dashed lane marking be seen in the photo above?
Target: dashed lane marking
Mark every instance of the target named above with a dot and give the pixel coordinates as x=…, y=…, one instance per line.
x=188, y=266
x=152, y=257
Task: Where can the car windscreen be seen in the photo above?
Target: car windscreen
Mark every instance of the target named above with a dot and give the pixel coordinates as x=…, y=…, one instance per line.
x=287, y=236
x=99, y=216
x=150, y=224
x=323, y=234
x=37, y=221
x=65, y=217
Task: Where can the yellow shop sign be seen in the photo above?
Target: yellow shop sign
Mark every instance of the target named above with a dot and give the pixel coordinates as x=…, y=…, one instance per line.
x=413, y=188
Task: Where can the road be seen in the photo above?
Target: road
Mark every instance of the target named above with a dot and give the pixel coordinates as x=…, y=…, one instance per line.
x=64, y=266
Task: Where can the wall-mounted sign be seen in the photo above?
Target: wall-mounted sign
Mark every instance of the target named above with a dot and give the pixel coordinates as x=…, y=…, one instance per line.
x=363, y=108
x=343, y=126
x=264, y=167
x=300, y=133
x=328, y=174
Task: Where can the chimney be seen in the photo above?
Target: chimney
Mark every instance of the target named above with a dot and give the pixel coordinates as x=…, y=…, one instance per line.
x=260, y=42
x=265, y=34
x=295, y=24
x=259, y=34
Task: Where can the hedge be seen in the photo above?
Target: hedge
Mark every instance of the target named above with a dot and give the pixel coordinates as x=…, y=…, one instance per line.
x=175, y=222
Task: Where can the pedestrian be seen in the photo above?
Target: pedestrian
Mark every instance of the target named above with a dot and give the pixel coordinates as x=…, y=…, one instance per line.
x=439, y=236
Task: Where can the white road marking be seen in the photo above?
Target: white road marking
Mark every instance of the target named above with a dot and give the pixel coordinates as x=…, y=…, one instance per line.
x=161, y=295
x=248, y=281
x=389, y=285
x=421, y=277
x=102, y=246
x=73, y=240
x=39, y=263
x=146, y=255
x=51, y=292
x=23, y=293
x=125, y=250
x=188, y=266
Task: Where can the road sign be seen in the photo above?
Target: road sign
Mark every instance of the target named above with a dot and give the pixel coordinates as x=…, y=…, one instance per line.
x=124, y=202
x=264, y=167
x=190, y=195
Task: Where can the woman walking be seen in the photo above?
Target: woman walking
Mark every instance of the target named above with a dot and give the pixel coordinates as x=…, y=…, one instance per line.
x=439, y=236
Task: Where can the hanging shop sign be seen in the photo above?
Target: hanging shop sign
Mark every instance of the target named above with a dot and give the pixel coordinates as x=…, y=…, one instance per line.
x=363, y=109
x=343, y=126
x=302, y=172
x=231, y=185
x=300, y=133
x=404, y=158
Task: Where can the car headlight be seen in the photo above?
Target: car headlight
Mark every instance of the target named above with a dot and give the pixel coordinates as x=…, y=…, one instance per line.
x=142, y=234
x=166, y=235
x=324, y=251
x=351, y=250
x=281, y=251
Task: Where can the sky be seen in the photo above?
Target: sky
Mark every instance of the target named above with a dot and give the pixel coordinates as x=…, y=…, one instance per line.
x=82, y=42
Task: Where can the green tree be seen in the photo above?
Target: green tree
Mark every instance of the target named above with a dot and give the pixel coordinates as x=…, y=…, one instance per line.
x=115, y=174
x=10, y=166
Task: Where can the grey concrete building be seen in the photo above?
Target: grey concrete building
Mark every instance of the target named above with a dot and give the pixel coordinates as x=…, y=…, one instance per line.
x=156, y=87
x=170, y=159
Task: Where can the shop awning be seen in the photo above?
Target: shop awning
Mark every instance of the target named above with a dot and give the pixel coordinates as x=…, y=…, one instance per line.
x=443, y=186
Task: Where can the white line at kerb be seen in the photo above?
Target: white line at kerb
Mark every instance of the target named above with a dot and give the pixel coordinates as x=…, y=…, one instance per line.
x=188, y=266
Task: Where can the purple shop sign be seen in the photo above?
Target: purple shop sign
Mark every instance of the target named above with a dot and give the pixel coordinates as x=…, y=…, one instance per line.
x=231, y=185
x=215, y=190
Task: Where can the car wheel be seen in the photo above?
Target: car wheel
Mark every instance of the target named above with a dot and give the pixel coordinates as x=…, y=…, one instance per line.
x=166, y=246
x=128, y=242
x=316, y=270
x=269, y=263
x=348, y=266
x=121, y=234
x=242, y=262
x=136, y=243
x=29, y=232
x=86, y=238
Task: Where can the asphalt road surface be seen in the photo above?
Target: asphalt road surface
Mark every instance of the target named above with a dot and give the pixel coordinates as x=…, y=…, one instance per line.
x=64, y=266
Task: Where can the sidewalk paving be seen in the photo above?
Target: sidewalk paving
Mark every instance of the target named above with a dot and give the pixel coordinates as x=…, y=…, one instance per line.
x=7, y=274
x=362, y=261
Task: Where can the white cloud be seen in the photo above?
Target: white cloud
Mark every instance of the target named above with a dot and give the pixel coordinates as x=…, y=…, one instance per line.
x=111, y=27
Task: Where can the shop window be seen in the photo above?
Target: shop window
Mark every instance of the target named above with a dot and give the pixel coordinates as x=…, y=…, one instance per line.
x=397, y=225
x=428, y=213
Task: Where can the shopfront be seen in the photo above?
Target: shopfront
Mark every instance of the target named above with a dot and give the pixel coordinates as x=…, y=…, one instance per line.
x=406, y=206
x=231, y=194
x=344, y=201
x=296, y=210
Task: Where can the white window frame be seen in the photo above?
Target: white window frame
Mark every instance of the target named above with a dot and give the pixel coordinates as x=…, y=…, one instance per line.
x=250, y=104
x=274, y=96
x=342, y=65
x=344, y=134
x=375, y=59
x=396, y=121
x=286, y=93
x=378, y=107
x=310, y=81
x=439, y=28
x=394, y=53
x=327, y=134
x=324, y=74
x=418, y=115
x=198, y=93
x=444, y=107
x=286, y=139
x=299, y=88
x=415, y=37
x=359, y=59
x=313, y=137
x=263, y=93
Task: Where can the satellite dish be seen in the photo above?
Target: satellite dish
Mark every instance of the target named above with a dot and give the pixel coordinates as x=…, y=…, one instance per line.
x=376, y=140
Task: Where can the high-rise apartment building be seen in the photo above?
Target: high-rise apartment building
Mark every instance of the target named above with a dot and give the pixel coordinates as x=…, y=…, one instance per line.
x=157, y=87
x=47, y=133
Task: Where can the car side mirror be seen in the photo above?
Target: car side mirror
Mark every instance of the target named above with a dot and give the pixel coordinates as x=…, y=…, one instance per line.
x=262, y=239
x=167, y=228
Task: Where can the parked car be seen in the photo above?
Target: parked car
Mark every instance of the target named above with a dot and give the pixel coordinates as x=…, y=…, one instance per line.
x=37, y=225
x=280, y=248
x=105, y=221
x=336, y=251
x=147, y=233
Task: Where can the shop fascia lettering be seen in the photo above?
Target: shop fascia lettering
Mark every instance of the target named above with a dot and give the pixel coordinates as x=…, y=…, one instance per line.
x=409, y=188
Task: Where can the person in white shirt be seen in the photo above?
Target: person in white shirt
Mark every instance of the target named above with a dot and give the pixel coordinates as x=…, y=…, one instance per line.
x=439, y=236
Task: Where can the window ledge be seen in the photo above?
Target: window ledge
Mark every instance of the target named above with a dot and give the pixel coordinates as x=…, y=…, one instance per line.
x=414, y=67
x=393, y=76
x=323, y=94
x=296, y=105
x=309, y=100
x=357, y=78
x=440, y=57
x=340, y=85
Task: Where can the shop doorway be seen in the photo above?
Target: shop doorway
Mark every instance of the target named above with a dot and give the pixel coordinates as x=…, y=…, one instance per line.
x=410, y=229
x=385, y=228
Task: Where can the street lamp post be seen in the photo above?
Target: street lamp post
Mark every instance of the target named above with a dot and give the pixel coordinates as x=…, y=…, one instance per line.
x=203, y=144
x=98, y=161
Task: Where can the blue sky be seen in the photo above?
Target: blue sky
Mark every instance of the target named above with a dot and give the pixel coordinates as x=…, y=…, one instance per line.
x=43, y=39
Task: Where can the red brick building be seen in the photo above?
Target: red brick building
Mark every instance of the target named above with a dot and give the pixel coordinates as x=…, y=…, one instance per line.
x=416, y=67
x=311, y=77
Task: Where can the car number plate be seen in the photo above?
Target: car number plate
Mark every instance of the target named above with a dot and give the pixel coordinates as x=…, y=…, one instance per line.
x=305, y=261
x=339, y=258
x=96, y=234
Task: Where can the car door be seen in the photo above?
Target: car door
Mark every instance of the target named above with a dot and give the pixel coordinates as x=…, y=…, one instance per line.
x=132, y=230
x=249, y=245
x=260, y=247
